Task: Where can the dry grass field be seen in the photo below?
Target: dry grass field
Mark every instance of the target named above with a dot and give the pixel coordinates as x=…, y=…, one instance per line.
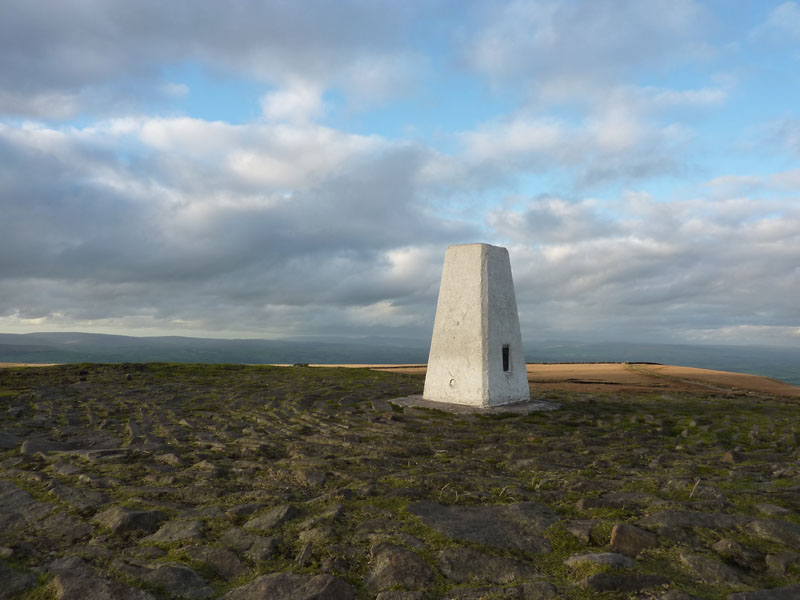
x=632, y=377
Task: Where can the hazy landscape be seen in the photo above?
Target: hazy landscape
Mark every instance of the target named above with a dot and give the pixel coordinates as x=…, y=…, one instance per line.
x=779, y=363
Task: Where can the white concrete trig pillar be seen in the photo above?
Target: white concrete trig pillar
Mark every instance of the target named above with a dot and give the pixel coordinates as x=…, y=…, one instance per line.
x=476, y=355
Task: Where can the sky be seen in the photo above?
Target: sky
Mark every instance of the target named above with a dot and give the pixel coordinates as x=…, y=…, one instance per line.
x=273, y=169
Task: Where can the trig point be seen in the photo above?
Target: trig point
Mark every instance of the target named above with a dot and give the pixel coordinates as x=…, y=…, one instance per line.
x=476, y=353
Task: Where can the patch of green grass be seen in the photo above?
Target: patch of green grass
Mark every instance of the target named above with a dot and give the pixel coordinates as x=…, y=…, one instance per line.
x=45, y=589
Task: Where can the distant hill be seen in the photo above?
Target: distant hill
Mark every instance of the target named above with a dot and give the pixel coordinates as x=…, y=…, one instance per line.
x=90, y=347
x=779, y=363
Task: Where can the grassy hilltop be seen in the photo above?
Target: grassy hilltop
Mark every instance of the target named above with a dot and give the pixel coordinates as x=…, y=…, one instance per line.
x=206, y=481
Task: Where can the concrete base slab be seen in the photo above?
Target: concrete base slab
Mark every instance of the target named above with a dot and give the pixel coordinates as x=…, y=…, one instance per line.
x=519, y=408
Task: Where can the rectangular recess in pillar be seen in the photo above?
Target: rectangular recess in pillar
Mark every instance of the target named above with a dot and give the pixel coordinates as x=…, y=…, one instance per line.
x=506, y=358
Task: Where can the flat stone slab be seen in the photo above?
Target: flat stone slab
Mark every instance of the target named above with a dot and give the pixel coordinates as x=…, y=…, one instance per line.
x=789, y=592
x=532, y=590
x=272, y=518
x=465, y=564
x=78, y=498
x=712, y=572
x=624, y=582
x=255, y=547
x=688, y=519
x=292, y=586
x=18, y=509
x=518, y=408
x=121, y=520
x=13, y=581
x=76, y=580
x=178, y=531
x=508, y=526
x=780, y=532
x=629, y=540
x=9, y=440
x=179, y=581
x=222, y=561
x=609, y=559
x=397, y=566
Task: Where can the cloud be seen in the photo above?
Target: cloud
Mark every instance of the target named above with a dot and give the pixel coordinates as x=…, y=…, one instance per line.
x=781, y=25
x=582, y=61
x=784, y=135
x=299, y=101
x=146, y=237
x=606, y=146
x=518, y=137
x=645, y=270
x=733, y=185
x=727, y=187
x=550, y=220
x=59, y=57
x=300, y=220
x=168, y=236
x=563, y=49
x=789, y=180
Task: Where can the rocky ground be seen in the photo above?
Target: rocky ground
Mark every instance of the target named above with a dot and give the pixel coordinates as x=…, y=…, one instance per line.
x=199, y=482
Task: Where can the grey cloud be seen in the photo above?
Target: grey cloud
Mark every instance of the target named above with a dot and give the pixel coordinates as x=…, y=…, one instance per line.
x=132, y=247
x=785, y=135
x=645, y=162
x=781, y=25
x=58, y=56
x=550, y=219
x=659, y=272
x=616, y=147
x=96, y=237
x=568, y=44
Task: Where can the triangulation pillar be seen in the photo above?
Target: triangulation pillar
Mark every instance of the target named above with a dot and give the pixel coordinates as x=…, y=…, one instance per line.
x=476, y=355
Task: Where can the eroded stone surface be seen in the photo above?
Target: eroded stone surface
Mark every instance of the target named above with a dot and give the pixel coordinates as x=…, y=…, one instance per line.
x=609, y=559
x=122, y=520
x=178, y=531
x=292, y=586
x=179, y=581
x=788, y=592
x=624, y=582
x=511, y=526
x=399, y=595
x=201, y=451
x=464, y=564
x=397, y=566
x=255, y=547
x=13, y=582
x=222, y=561
x=711, y=571
x=630, y=540
x=8, y=440
x=781, y=532
x=76, y=580
x=272, y=518
x=18, y=508
x=688, y=518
